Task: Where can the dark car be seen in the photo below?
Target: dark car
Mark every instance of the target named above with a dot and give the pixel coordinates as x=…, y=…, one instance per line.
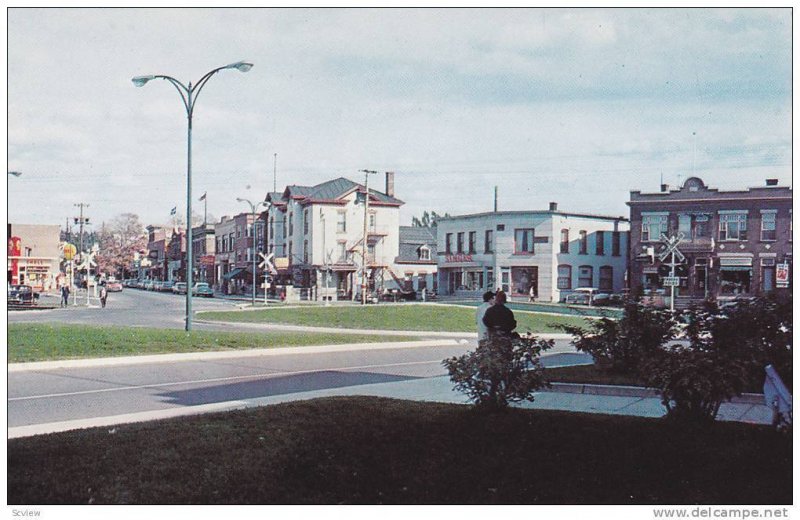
x=22, y=295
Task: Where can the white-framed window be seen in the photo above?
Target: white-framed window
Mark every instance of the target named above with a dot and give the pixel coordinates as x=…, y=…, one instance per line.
x=448, y=243
x=424, y=253
x=564, y=277
x=685, y=225
x=373, y=221
x=733, y=226
x=488, y=238
x=523, y=241
x=460, y=242
x=565, y=241
x=768, y=229
x=583, y=243
x=653, y=226
x=341, y=252
x=341, y=222
x=585, y=276
x=472, y=239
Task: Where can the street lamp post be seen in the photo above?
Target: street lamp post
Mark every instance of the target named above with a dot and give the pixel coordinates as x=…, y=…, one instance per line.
x=364, y=283
x=253, y=256
x=189, y=97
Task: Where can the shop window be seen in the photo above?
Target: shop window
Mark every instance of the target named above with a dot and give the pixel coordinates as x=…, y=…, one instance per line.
x=600, y=246
x=565, y=240
x=733, y=227
x=523, y=241
x=653, y=226
x=585, y=276
x=606, y=282
x=734, y=281
x=768, y=226
x=564, y=277
x=583, y=243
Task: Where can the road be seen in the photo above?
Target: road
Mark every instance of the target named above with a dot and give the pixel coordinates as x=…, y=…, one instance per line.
x=37, y=397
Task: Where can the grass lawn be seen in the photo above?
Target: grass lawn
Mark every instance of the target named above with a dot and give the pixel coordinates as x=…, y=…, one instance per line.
x=365, y=450
x=389, y=317
x=43, y=342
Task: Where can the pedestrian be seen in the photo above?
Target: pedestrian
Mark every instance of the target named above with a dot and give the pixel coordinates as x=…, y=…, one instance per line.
x=64, y=295
x=488, y=300
x=424, y=294
x=499, y=318
x=532, y=293
x=103, y=295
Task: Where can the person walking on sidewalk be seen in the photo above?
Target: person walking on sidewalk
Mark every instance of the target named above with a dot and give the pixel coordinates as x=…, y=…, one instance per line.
x=64, y=295
x=499, y=318
x=488, y=300
x=103, y=295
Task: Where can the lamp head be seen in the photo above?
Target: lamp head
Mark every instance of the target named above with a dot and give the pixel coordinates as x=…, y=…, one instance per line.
x=241, y=66
x=239, y=199
x=15, y=174
x=140, y=81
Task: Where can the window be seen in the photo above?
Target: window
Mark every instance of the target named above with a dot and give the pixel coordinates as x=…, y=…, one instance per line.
x=585, y=278
x=615, y=243
x=472, y=240
x=685, y=225
x=606, y=278
x=290, y=251
x=653, y=226
x=341, y=252
x=733, y=226
x=768, y=226
x=291, y=223
x=230, y=242
x=487, y=241
x=564, y=277
x=372, y=221
x=448, y=243
x=238, y=231
x=460, y=243
x=583, y=243
x=600, y=246
x=424, y=253
x=523, y=241
x=305, y=222
x=565, y=241
x=305, y=251
x=501, y=227
x=341, y=222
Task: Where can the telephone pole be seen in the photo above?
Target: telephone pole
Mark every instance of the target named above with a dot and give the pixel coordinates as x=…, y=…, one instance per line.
x=81, y=221
x=364, y=243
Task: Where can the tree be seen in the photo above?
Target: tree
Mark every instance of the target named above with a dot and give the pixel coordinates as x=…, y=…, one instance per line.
x=119, y=241
x=428, y=219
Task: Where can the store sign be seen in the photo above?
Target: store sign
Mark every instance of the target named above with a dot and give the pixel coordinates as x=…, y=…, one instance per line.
x=782, y=275
x=457, y=258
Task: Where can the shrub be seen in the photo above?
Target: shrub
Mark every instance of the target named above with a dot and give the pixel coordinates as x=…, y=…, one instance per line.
x=501, y=370
x=620, y=345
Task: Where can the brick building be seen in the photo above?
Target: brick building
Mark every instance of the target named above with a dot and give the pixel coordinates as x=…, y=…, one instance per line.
x=735, y=243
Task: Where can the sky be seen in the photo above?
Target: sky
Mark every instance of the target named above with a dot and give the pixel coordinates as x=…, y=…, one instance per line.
x=574, y=106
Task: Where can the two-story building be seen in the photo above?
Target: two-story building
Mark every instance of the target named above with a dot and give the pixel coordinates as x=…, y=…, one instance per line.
x=233, y=250
x=731, y=242
x=203, y=249
x=549, y=253
x=34, y=255
x=156, y=267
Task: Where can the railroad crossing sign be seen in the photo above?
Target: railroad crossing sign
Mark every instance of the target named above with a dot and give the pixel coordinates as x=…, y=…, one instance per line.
x=266, y=263
x=88, y=260
x=672, y=281
x=671, y=246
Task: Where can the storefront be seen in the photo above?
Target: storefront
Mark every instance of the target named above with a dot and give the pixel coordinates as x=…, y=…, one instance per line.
x=735, y=274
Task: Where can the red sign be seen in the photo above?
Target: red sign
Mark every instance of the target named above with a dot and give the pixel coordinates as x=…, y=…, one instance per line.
x=14, y=249
x=782, y=275
x=450, y=259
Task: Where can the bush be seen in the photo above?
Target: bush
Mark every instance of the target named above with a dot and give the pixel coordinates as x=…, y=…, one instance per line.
x=620, y=345
x=501, y=370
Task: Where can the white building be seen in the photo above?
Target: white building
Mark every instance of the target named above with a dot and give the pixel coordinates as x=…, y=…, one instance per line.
x=552, y=251
x=316, y=234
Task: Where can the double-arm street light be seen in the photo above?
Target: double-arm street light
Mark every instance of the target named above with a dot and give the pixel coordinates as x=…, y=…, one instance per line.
x=189, y=97
x=253, y=233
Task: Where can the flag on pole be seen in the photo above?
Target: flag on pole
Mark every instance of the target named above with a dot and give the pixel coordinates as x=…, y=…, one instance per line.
x=173, y=210
x=204, y=196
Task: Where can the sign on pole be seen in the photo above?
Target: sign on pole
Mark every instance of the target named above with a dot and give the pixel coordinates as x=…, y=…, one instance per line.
x=782, y=275
x=672, y=281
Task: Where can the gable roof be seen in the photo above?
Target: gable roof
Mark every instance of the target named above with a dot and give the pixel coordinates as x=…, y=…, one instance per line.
x=411, y=239
x=329, y=191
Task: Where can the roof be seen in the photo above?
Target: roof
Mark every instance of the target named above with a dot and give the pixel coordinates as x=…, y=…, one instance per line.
x=411, y=239
x=333, y=190
x=533, y=212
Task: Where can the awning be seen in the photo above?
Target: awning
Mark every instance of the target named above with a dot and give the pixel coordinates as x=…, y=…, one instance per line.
x=233, y=273
x=735, y=268
x=740, y=261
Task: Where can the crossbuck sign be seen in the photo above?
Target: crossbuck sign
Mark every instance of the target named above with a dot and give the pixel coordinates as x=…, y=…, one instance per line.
x=267, y=264
x=671, y=246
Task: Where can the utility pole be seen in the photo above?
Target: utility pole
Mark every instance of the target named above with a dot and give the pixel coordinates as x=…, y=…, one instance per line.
x=275, y=172
x=364, y=243
x=81, y=222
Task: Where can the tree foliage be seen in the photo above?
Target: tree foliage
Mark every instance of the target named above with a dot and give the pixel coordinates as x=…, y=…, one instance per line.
x=501, y=370
x=428, y=219
x=119, y=241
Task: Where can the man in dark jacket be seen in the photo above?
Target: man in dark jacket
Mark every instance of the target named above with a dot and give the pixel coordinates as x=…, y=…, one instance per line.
x=498, y=317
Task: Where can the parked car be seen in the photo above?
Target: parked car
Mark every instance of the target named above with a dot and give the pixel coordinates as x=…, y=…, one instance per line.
x=166, y=286
x=22, y=295
x=202, y=289
x=113, y=286
x=179, y=288
x=587, y=296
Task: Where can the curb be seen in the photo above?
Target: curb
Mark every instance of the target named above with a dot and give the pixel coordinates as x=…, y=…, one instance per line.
x=633, y=391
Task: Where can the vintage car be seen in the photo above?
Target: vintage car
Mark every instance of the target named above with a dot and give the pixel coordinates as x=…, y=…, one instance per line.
x=179, y=288
x=587, y=296
x=113, y=286
x=22, y=295
x=202, y=289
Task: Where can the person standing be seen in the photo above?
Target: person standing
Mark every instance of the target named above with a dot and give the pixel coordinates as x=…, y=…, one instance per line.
x=488, y=300
x=498, y=317
x=103, y=295
x=64, y=295
x=532, y=293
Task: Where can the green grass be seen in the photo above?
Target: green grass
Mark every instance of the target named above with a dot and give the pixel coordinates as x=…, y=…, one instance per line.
x=389, y=317
x=364, y=450
x=43, y=342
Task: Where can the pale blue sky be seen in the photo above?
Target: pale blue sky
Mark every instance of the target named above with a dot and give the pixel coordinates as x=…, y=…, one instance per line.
x=575, y=106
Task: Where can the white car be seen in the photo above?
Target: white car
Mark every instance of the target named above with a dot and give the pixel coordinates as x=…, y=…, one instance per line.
x=587, y=296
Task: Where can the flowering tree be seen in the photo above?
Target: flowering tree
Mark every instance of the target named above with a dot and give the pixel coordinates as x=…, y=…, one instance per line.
x=119, y=241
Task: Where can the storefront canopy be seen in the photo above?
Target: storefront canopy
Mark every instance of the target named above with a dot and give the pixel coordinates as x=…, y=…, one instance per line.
x=235, y=273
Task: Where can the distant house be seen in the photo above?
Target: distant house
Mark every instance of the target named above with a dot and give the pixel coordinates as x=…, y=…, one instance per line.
x=415, y=264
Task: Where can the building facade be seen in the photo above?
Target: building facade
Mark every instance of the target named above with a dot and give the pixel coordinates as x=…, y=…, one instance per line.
x=544, y=253
x=232, y=257
x=203, y=250
x=34, y=255
x=157, y=265
x=732, y=243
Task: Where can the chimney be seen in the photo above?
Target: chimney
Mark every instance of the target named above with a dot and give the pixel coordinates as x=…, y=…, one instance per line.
x=664, y=188
x=495, y=199
x=772, y=182
x=390, y=184
x=554, y=206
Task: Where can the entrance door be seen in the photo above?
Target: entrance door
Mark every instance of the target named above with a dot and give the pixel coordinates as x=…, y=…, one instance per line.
x=768, y=278
x=700, y=281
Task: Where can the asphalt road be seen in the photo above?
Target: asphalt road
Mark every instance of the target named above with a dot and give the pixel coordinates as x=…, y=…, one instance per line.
x=68, y=394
